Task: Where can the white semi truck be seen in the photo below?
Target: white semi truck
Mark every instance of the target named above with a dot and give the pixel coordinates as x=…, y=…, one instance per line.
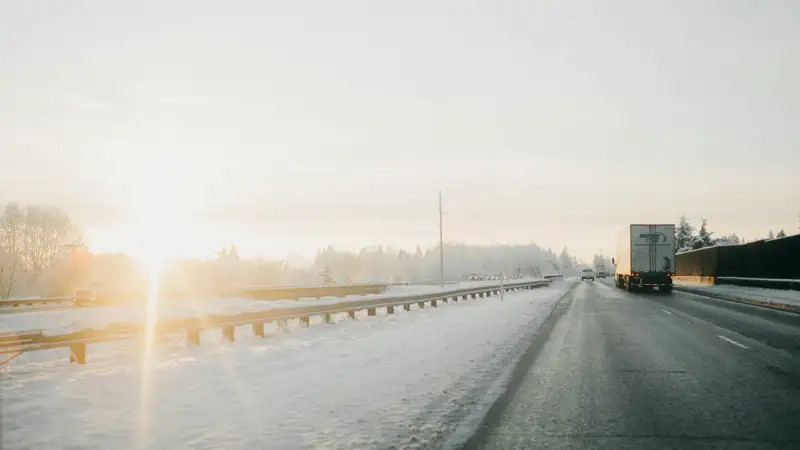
x=645, y=257
x=600, y=270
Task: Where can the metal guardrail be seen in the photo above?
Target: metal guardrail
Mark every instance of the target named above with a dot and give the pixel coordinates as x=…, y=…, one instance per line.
x=294, y=293
x=15, y=303
x=78, y=341
x=253, y=292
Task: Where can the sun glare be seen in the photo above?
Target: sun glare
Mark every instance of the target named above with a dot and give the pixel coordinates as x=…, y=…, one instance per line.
x=151, y=238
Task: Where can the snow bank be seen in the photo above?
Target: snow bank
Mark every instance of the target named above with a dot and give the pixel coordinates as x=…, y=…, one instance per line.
x=61, y=320
x=381, y=382
x=771, y=298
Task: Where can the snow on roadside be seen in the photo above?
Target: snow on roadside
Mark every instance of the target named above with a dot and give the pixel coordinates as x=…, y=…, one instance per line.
x=74, y=319
x=746, y=293
x=379, y=382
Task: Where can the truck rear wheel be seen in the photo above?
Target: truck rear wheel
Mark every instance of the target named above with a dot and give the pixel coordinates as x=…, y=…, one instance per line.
x=665, y=289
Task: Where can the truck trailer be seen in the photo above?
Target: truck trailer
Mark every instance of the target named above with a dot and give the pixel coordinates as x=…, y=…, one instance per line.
x=645, y=257
x=600, y=270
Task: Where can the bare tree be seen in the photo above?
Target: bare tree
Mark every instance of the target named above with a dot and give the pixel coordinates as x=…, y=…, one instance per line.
x=11, y=243
x=45, y=229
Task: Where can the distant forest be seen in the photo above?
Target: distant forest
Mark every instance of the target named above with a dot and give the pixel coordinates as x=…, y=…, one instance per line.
x=42, y=253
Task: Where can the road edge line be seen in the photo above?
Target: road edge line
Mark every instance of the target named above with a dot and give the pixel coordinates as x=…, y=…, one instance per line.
x=518, y=373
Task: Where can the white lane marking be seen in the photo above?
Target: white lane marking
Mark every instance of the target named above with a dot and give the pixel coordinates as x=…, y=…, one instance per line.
x=731, y=341
x=666, y=311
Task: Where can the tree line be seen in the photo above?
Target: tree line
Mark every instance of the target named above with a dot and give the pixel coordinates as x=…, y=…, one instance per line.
x=43, y=253
x=32, y=246
x=688, y=237
x=118, y=272
x=380, y=263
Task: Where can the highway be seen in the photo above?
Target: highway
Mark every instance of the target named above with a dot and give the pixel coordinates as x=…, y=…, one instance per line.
x=618, y=370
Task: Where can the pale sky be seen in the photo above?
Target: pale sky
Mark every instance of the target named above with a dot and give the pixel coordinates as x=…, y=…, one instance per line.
x=288, y=125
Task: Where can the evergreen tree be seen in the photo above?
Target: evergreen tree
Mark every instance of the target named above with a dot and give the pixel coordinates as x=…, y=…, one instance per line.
x=704, y=236
x=564, y=259
x=731, y=239
x=683, y=235
x=770, y=235
x=781, y=233
x=233, y=254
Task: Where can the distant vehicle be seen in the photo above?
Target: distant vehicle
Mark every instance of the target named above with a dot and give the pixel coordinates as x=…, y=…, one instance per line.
x=85, y=297
x=645, y=257
x=587, y=274
x=600, y=269
x=476, y=276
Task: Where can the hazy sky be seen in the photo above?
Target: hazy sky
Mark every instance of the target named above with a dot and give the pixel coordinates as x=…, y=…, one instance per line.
x=289, y=125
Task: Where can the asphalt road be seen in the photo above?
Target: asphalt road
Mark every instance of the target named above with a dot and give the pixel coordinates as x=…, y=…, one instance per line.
x=620, y=370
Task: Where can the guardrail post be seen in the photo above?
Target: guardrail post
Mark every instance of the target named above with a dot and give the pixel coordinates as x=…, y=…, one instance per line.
x=433, y=303
x=77, y=353
x=390, y=309
x=421, y=305
x=327, y=318
x=305, y=322
x=282, y=325
x=351, y=314
x=258, y=329
x=474, y=296
x=407, y=307
x=370, y=311
x=455, y=298
x=464, y=297
x=193, y=336
x=228, y=332
x=444, y=300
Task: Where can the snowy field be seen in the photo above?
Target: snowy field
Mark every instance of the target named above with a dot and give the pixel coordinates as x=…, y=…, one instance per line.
x=58, y=321
x=746, y=293
x=400, y=381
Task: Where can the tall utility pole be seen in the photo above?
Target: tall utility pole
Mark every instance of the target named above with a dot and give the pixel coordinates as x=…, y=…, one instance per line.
x=441, y=244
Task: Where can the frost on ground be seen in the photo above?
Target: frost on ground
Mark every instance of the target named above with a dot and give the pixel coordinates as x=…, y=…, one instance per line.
x=75, y=319
x=787, y=297
x=405, y=380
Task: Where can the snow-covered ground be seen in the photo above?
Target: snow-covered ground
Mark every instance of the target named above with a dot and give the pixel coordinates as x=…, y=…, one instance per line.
x=56, y=321
x=784, y=299
x=405, y=380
